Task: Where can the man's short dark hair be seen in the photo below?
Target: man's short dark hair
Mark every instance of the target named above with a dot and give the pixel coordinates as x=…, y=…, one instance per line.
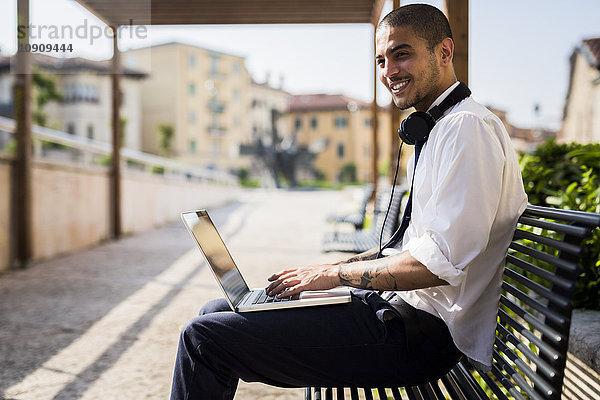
x=427, y=22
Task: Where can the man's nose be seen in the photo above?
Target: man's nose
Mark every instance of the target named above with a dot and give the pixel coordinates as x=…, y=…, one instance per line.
x=389, y=70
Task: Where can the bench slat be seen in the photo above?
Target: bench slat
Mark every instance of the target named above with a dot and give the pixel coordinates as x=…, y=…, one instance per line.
x=542, y=273
x=541, y=365
x=435, y=388
x=557, y=262
x=586, y=219
x=548, y=350
x=512, y=389
x=520, y=382
x=537, y=288
x=556, y=244
x=493, y=386
x=577, y=231
x=411, y=394
x=462, y=375
x=536, y=305
x=524, y=368
x=453, y=388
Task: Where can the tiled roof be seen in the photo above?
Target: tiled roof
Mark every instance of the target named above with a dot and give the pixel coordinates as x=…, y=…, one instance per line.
x=591, y=47
x=322, y=102
x=72, y=64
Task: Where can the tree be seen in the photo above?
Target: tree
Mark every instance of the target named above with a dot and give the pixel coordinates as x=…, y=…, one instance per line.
x=165, y=139
x=348, y=173
x=45, y=91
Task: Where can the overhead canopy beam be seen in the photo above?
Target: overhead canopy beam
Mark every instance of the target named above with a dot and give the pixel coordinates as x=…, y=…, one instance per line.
x=195, y=12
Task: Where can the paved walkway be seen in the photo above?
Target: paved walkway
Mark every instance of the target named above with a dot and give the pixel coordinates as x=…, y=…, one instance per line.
x=104, y=323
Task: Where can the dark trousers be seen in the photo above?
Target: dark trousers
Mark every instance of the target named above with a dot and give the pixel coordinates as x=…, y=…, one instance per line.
x=329, y=346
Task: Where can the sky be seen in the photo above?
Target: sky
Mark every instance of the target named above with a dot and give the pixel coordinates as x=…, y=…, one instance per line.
x=518, y=50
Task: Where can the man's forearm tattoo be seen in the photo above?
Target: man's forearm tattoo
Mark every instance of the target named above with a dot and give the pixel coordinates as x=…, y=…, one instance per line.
x=374, y=276
x=366, y=256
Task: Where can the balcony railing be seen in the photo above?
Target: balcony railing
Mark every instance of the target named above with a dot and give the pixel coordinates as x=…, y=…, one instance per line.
x=216, y=106
x=50, y=144
x=215, y=130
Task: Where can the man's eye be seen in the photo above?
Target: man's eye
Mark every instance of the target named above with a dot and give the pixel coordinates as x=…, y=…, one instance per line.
x=380, y=62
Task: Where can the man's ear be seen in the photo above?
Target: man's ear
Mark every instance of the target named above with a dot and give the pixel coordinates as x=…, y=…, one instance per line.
x=446, y=48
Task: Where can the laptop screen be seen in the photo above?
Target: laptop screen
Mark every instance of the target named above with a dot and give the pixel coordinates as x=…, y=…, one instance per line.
x=216, y=254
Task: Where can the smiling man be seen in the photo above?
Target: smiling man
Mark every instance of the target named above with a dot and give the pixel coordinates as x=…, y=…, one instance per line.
x=441, y=276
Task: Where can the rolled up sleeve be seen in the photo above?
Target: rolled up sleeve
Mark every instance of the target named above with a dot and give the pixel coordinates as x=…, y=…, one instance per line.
x=427, y=252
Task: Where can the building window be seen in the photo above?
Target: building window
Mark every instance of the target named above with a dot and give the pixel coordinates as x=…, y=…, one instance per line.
x=341, y=122
x=313, y=123
x=90, y=131
x=236, y=95
x=191, y=116
x=298, y=123
x=367, y=122
x=191, y=61
x=341, y=150
x=80, y=93
x=192, y=89
x=192, y=146
x=71, y=128
x=215, y=147
x=236, y=68
x=214, y=66
x=214, y=120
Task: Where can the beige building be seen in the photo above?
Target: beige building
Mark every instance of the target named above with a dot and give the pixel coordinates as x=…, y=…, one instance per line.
x=204, y=95
x=581, y=120
x=340, y=127
x=523, y=140
x=86, y=108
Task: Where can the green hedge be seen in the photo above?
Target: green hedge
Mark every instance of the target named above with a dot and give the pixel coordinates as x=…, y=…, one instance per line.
x=567, y=176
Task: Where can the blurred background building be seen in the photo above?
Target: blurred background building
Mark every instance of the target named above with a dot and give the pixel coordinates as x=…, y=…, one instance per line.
x=202, y=95
x=78, y=97
x=338, y=128
x=581, y=119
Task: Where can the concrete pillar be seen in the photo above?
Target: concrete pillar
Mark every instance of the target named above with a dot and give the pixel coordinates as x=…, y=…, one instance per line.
x=457, y=12
x=374, y=118
x=395, y=124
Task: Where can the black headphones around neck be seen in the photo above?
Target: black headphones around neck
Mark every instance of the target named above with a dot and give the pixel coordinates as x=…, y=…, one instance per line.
x=417, y=126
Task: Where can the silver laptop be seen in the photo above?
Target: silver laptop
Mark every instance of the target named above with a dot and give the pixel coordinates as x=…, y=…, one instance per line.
x=236, y=291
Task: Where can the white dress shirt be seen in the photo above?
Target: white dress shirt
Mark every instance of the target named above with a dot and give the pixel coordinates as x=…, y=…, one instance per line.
x=468, y=195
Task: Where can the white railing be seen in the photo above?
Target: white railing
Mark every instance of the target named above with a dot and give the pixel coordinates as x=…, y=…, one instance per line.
x=89, y=151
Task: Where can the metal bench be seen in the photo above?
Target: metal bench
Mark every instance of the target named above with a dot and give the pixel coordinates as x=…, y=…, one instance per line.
x=357, y=219
x=365, y=239
x=534, y=318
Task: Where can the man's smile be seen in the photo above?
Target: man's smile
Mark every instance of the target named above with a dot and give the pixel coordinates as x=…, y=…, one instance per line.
x=397, y=87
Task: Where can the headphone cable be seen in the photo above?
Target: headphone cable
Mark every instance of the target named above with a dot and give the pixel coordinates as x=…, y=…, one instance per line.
x=391, y=199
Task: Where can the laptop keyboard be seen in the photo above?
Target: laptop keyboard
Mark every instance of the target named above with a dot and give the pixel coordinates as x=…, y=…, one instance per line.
x=263, y=298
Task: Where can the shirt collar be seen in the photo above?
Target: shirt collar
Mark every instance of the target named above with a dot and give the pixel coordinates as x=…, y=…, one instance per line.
x=443, y=95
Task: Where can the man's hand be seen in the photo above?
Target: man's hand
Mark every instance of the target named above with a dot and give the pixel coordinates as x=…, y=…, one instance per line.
x=293, y=281
x=397, y=272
